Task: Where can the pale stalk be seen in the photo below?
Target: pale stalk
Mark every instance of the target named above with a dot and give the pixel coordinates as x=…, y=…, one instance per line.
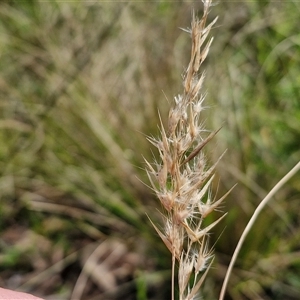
x=251, y=222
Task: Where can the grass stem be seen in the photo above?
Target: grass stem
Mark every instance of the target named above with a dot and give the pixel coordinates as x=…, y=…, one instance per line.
x=251, y=222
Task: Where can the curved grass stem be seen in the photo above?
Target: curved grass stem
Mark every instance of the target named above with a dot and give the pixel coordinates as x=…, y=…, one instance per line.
x=251, y=222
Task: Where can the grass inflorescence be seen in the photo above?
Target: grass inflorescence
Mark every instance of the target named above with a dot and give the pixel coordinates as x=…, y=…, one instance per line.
x=182, y=179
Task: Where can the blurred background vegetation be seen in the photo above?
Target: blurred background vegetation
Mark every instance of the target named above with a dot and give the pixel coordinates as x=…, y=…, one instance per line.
x=81, y=83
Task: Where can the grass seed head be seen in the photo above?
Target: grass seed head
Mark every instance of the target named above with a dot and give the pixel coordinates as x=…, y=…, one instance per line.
x=183, y=179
